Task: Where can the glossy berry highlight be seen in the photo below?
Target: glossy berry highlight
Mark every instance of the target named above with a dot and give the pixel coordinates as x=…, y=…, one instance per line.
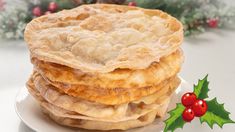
x=188, y=99
x=188, y=115
x=199, y=107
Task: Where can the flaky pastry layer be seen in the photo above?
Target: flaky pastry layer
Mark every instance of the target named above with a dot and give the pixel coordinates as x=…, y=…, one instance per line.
x=100, y=38
x=108, y=96
x=111, y=113
x=119, y=78
x=73, y=119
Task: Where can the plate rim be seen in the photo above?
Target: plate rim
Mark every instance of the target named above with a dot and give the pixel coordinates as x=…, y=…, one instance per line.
x=17, y=111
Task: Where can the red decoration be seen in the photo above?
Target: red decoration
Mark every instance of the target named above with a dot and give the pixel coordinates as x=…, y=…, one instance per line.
x=52, y=6
x=188, y=99
x=193, y=106
x=188, y=115
x=47, y=12
x=213, y=23
x=199, y=107
x=2, y=5
x=132, y=4
x=37, y=11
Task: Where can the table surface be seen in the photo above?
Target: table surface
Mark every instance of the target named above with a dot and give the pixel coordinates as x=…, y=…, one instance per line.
x=210, y=53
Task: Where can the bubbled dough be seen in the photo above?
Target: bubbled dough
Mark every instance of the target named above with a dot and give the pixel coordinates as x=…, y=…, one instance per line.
x=101, y=38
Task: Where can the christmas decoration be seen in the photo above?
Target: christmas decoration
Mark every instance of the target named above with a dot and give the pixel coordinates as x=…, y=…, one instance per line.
x=213, y=23
x=132, y=4
x=12, y=22
x=209, y=111
x=52, y=6
x=2, y=3
x=37, y=11
x=112, y=1
x=199, y=107
x=47, y=12
x=196, y=15
x=175, y=121
x=188, y=114
x=216, y=114
x=188, y=99
x=78, y=2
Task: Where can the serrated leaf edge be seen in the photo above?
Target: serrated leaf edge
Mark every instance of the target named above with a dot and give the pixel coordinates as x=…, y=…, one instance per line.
x=212, y=125
x=205, y=79
x=170, y=113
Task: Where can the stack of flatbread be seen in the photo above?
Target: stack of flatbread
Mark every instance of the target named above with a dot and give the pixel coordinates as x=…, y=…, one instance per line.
x=104, y=67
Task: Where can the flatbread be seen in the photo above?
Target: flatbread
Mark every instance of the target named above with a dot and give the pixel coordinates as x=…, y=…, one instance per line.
x=119, y=78
x=100, y=38
x=72, y=119
x=99, y=125
x=106, y=96
x=116, y=113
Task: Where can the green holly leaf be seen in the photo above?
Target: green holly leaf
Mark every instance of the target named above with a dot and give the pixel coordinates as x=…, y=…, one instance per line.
x=201, y=89
x=216, y=114
x=175, y=120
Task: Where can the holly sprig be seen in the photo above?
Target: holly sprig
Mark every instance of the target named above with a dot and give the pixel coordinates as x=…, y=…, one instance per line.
x=216, y=114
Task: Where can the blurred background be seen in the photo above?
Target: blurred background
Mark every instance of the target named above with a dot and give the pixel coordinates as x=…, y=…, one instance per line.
x=196, y=15
x=208, y=47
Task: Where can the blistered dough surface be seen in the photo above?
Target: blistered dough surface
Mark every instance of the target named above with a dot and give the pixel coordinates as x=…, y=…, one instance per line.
x=102, y=38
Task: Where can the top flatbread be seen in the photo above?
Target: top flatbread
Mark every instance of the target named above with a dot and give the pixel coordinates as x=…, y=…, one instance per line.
x=101, y=38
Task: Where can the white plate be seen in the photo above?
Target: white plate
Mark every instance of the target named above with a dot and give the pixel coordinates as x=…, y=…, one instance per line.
x=29, y=112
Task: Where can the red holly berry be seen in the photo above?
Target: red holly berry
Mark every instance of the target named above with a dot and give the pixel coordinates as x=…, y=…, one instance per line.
x=52, y=6
x=213, y=23
x=47, y=12
x=37, y=11
x=2, y=5
x=132, y=4
x=188, y=115
x=199, y=107
x=188, y=99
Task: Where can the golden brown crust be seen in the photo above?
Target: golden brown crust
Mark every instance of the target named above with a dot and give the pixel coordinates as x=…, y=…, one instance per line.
x=153, y=75
x=109, y=96
x=69, y=118
x=100, y=38
x=68, y=106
